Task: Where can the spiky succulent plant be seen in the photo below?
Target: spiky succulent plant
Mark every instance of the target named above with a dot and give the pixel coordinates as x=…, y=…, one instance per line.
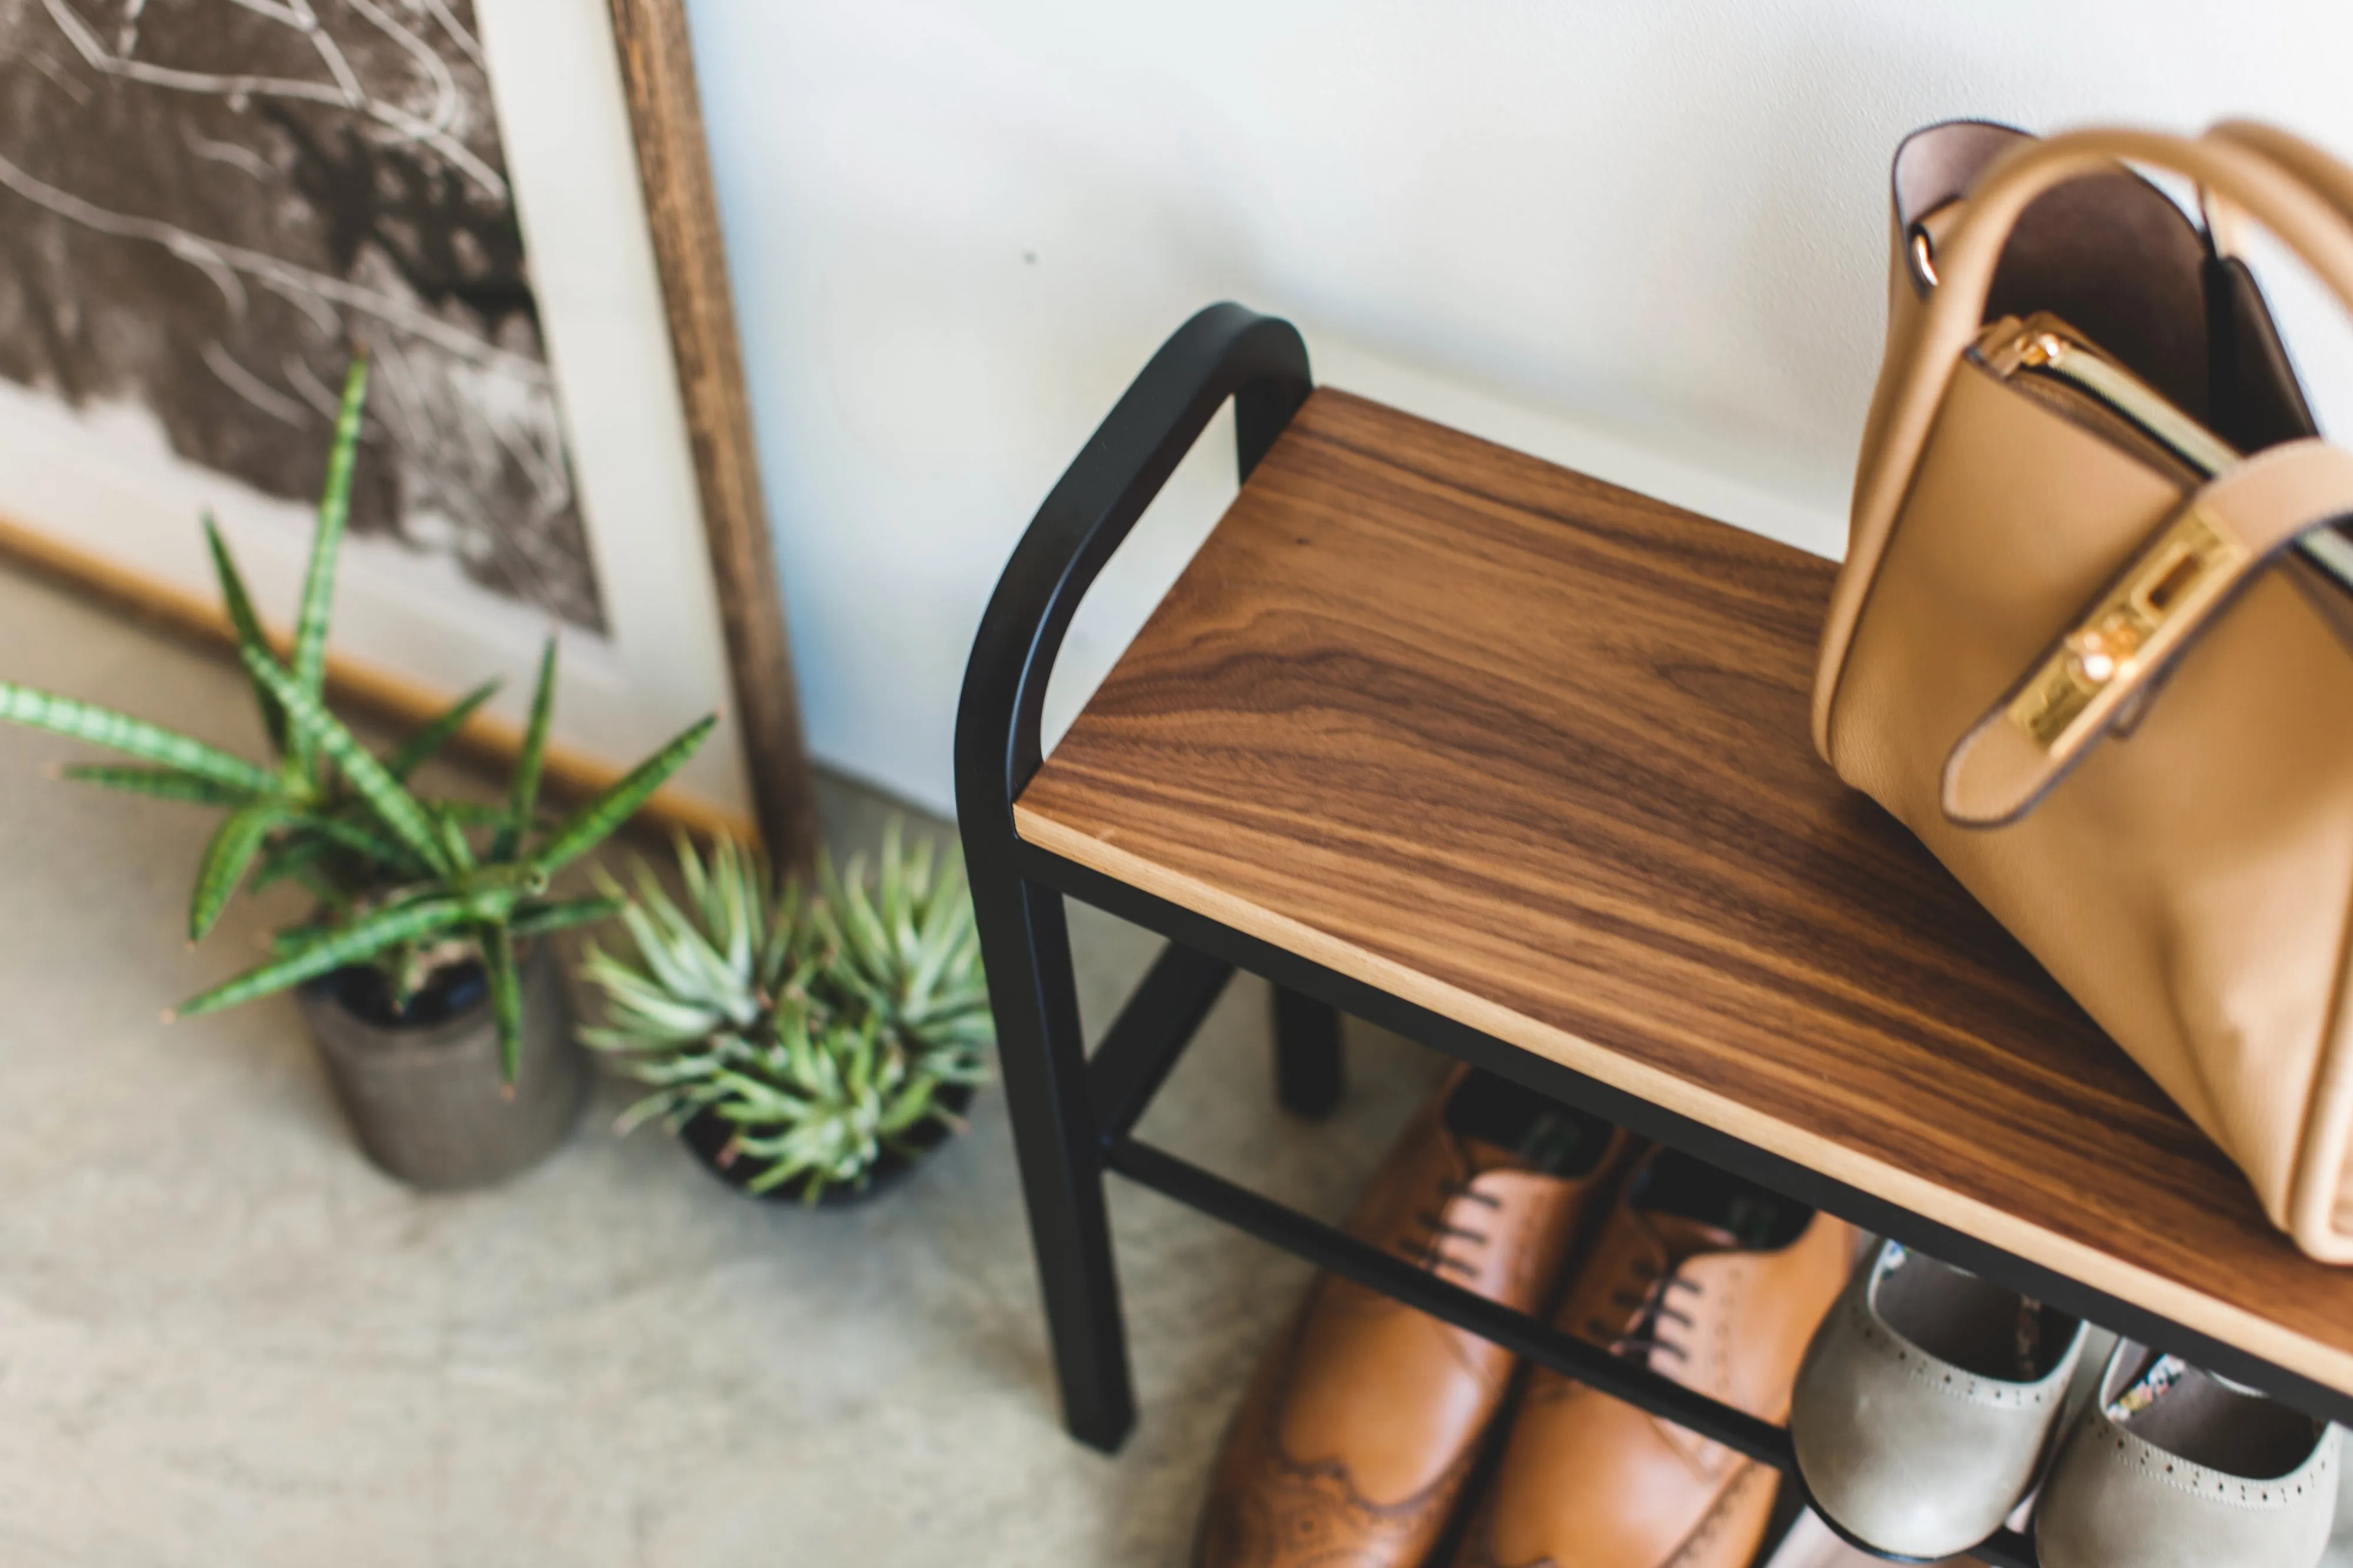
x=413, y=885
x=820, y=1030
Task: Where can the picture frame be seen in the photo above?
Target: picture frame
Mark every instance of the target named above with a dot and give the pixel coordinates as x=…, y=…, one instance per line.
x=562, y=435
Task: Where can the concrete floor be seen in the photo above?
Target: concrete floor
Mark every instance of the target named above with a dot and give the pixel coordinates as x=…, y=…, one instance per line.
x=226, y=1338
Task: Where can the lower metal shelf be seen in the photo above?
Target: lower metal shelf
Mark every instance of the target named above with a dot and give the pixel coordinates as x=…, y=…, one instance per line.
x=1330, y=1248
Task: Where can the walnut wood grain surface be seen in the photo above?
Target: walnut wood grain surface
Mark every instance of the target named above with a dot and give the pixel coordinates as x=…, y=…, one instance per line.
x=1531, y=750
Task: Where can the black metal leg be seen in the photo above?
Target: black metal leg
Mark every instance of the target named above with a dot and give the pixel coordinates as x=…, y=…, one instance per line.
x=1025, y=942
x=1310, y=1072
x=1224, y=351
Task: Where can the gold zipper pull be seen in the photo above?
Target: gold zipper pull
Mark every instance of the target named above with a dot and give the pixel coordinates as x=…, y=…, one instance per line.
x=2039, y=343
x=2041, y=351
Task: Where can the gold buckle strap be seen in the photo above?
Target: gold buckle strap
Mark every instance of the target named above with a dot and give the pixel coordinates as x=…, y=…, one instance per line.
x=2138, y=625
x=2154, y=605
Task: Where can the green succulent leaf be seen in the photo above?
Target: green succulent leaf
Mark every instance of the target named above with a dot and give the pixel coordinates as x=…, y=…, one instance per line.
x=645, y=1014
x=163, y=783
x=133, y=736
x=823, y=1030
x=697, y=879
x=309, y=666
x=439, y=731
x=522, y=881
x=226, y=860
x=296, y=938
x=290, y=856
x=386, y=795
x=473, y=814
x=341, y=826
x=646, y=1109
x=506, y=997
x=787, y=933
x=539, y=920
x=676, y=973
x=596, y=821
x=913, y=1103
x=329, y=894
x=247, y=628
x=735, y=894
x=453, y=838
x=522, y=796
x=362, y=939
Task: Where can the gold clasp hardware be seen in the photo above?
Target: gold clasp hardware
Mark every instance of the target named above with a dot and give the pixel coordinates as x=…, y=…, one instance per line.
x=2042, y=350
x=2149, y=610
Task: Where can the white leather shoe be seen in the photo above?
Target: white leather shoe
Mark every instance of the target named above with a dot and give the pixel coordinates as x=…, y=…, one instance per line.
x=1926, y=1405
x=2172, y=1468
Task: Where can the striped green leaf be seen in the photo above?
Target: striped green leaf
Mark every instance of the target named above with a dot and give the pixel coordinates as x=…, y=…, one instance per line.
x=338, y=826
x=334, y=511
x=506, y=998
x=538, y=919
x=288, y=856
x=300, y=939
x=309, y=660
x=315, y=882
x=133, y=736
x=522, y=796
x=248, y=626
x=393, y=805
x=472, y=813
x=163, y=783
x=438, y=733
x=453, y=838
x=226, y=860
x=362, y=939
x=523, y=881
x=297, y=854
x=491, y=904
x=594, y=822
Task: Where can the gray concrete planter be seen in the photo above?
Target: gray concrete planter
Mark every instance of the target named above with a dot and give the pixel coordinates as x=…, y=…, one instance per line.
x=425, y=1100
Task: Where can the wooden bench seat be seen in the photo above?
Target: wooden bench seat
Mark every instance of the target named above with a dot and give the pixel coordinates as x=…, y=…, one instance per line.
x=1530, y=752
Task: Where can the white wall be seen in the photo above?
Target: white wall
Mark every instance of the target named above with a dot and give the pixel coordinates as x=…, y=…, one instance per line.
x=1644, y=237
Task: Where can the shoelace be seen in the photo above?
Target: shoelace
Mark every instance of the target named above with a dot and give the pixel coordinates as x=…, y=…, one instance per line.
x=1428, y=1251
x=1652, y=1312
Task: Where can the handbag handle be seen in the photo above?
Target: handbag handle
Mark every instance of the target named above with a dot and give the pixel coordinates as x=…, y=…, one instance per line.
x=2313, y=216
x=2318, y=170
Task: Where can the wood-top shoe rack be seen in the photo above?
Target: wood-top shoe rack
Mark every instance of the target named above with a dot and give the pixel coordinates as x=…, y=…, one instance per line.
x=1515, y=762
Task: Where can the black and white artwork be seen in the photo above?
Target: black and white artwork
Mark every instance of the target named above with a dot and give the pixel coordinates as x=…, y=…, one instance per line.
x=203, y=205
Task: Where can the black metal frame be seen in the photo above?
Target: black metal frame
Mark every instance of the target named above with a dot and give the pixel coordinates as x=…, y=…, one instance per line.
x=1072, y=1115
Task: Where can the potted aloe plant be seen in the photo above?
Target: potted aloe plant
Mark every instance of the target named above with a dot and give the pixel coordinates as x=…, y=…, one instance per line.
x=804, y=1047
x=439, y=1010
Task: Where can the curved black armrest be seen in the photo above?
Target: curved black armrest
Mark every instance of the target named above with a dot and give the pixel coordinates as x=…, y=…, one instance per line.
x=1223, y=351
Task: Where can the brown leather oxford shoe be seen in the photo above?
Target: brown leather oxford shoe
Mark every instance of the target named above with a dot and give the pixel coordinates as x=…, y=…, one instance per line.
x=1351, y=1449
x=1708, y=1280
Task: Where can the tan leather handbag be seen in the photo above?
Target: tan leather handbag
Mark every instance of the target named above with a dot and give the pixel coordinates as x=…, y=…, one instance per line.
x=2090, y=641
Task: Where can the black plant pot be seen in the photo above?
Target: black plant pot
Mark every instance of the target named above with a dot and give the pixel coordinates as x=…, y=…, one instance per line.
x=706, y=1134
x=423, y=1094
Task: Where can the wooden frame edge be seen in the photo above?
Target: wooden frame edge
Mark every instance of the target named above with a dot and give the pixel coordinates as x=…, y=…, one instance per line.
x=390, y=697
x=657, y=59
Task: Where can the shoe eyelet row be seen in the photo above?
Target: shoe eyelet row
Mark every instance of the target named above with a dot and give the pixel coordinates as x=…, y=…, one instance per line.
x=2202, y=1482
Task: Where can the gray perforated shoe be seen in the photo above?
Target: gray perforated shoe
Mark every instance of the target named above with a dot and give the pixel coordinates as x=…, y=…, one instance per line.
x=2173, y=1468
x=1926, y=1402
